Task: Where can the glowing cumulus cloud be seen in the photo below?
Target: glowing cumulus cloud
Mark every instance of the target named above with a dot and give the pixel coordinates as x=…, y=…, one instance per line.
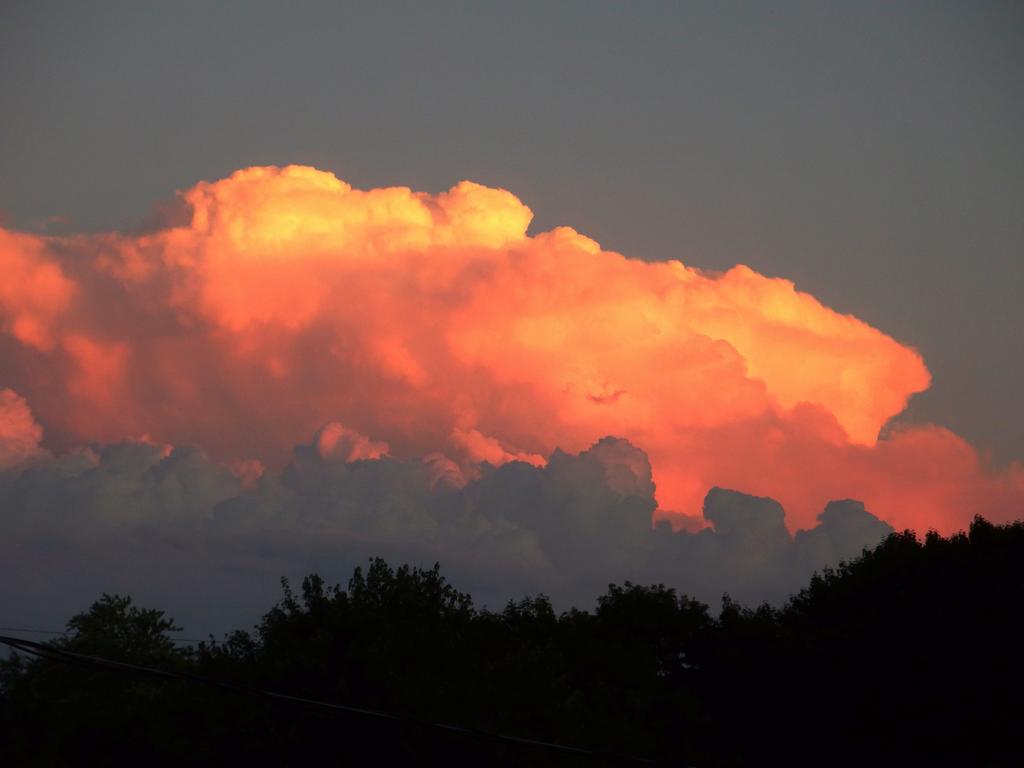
x=417, y=325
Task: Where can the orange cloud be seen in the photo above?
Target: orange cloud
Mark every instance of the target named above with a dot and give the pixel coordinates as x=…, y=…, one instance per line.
x=435, y=325
x=20, y=435
x=338, y=442
x=34, y=291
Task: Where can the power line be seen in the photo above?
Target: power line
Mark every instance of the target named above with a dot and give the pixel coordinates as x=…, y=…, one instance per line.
x=41, y=650
x=66, y=633
x=34, y=631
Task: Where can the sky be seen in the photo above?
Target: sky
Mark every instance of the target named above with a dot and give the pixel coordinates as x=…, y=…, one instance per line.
x=186, y=361
x=869, y=153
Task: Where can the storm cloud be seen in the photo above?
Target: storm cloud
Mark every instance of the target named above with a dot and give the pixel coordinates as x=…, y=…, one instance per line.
x=178, y=530
x=277, y=300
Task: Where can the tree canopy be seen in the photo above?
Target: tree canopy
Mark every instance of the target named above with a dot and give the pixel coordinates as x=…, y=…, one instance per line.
x=908, y=654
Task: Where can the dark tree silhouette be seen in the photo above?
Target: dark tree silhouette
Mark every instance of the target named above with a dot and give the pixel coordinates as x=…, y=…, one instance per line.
x=908, y=655
x=56, y=714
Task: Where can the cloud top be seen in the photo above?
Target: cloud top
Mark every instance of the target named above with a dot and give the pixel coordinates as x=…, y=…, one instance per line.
x=284, y=299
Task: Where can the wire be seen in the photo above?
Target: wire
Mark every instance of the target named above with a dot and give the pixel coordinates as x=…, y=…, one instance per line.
x=34, y=631
x=41, y=650
x=66, y=633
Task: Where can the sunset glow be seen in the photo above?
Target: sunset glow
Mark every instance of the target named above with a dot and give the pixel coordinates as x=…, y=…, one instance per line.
x=414, y=324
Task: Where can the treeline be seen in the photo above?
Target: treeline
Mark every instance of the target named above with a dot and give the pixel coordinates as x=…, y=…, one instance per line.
x=909, y=655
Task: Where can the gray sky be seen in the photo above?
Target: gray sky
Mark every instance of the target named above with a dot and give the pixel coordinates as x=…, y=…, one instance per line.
x=870, y=152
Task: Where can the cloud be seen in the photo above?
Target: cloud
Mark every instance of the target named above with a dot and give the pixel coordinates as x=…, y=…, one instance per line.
x=19, y=433
x=335, y=441
x=177, y=529
x=281, y=299
x=33, y=290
